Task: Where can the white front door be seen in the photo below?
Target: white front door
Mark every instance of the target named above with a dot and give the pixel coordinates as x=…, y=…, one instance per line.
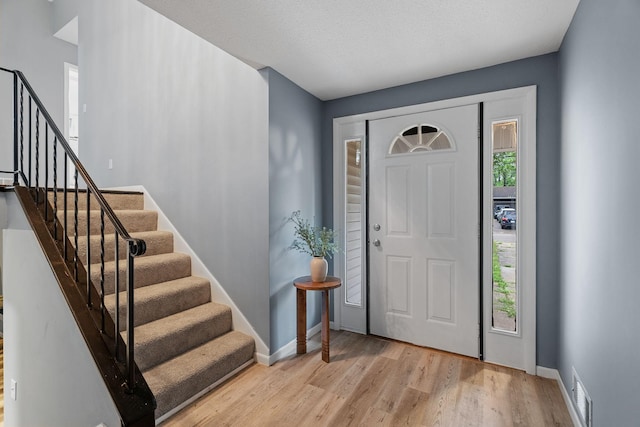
x=424, y=227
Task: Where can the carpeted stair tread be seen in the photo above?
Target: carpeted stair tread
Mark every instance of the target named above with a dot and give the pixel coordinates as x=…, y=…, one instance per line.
x=180, y=378
x=163, y=299
x=132, y=220
x=158, y=242
x=148, y=270
x=160, y=340
x=117, y=200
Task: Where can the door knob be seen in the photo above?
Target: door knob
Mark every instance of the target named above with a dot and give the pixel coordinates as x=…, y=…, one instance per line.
x=376, y=227
x=376, y=242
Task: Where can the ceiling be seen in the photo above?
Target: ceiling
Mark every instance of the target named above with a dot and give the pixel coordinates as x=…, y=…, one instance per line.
x=337, y=48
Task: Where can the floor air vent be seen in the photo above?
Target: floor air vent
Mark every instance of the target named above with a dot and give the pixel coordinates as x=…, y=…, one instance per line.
x=582, y=400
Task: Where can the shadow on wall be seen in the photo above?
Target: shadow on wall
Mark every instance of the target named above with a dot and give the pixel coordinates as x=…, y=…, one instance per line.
x=294, y=184
x=287, y=264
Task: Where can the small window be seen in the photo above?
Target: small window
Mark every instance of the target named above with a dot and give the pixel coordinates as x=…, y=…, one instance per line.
x=420, y=138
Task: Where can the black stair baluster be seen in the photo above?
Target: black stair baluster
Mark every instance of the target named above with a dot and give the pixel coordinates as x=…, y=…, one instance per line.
x=102, y=271
x=15, y=129
x=46, y=169
x=37, y=154
x=55, y=187
x=117, y=290
x=75, y=225
x=22, y=129
x=131, y=379
x=64, y=209
x=89, y=303
x=30, y=141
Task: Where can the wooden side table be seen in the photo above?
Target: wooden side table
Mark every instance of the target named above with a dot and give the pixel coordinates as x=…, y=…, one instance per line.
x=304, y=284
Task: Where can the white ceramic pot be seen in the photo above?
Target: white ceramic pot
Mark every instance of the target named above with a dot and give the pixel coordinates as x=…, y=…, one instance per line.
x=319, y=268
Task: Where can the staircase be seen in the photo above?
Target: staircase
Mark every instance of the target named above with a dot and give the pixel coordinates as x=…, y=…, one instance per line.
x=184, y=342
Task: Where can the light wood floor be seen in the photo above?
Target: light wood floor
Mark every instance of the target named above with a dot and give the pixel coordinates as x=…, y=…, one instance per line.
x=373, y=381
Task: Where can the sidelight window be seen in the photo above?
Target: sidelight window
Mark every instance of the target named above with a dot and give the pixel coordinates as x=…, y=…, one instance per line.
x=505, y=235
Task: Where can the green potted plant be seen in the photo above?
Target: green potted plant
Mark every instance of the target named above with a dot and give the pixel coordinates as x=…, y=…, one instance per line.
x=319, y=242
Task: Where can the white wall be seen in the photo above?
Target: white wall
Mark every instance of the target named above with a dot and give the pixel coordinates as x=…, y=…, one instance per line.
x=188, y=122
x=9, y=203
x=57, y=382
x=27, y=44
x=63, y=12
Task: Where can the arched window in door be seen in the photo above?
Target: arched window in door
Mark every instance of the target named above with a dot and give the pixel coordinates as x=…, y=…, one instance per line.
x=421, y=138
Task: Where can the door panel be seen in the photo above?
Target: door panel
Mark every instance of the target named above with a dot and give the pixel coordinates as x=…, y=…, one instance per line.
x=397, y=200
x=440, y=199
x=441, y=282
x=424, y=194
x=398, y=273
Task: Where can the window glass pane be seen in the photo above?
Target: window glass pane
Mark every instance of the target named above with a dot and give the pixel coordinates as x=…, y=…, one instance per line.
x=505, y=245
x=420, y=138
x=353, y=244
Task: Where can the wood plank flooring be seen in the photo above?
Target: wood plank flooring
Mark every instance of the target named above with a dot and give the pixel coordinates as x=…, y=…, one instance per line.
x=377, y=382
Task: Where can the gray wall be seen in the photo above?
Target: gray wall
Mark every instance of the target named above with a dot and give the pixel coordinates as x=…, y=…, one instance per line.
x=599, y=69
x=541, y=71
x=295, y=180
x=43, y=348
x=190, y=123
x=63, y=12
x=27, y=44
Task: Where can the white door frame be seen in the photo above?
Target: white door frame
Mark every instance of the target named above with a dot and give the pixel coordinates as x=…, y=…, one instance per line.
x=68, y=68
x=67, y=114
x=351, y=127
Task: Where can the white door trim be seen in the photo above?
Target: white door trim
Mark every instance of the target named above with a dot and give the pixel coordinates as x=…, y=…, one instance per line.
x=67, y=69
x=354, y=125
x=517, y=350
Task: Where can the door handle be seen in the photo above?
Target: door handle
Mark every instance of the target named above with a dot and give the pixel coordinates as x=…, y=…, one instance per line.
x=376, y=242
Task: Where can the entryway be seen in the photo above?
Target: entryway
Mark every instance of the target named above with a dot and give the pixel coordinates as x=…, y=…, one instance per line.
x=415, y=211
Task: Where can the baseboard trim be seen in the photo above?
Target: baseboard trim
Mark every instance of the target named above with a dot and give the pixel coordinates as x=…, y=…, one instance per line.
x=261, y=358
x=290, y=348
x=550, y=373
x=554, y=374
x=202, y=393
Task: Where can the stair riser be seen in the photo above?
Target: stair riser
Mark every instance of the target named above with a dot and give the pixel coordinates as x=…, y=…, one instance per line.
x=156, y=245
x=132, y=221
x=149, y=310
x=144, y=274
x=170, y=396
x=178, y=341
x=115, y=200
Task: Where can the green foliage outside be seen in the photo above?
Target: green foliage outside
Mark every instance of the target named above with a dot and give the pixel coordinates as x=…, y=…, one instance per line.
x=506, y=304
x=504, y=169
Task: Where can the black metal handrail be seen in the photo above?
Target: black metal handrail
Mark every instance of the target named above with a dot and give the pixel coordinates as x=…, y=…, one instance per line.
x=135, y=247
